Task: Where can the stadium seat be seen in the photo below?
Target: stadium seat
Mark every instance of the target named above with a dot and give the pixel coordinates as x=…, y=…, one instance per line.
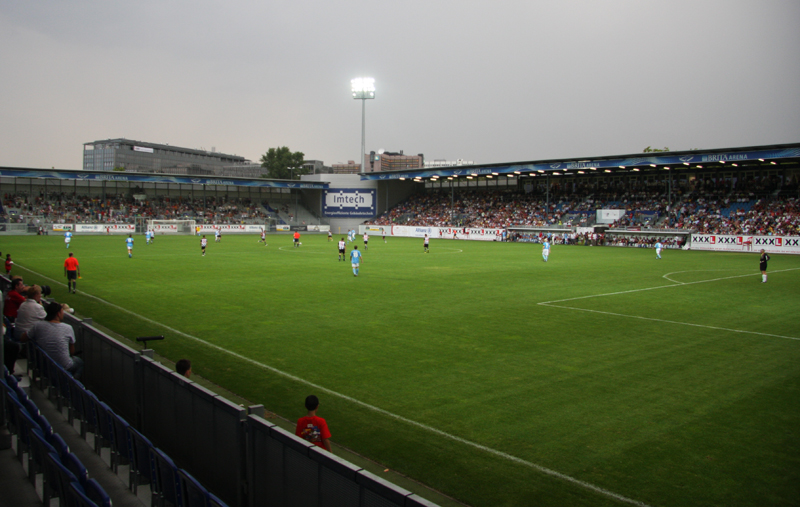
x=141, y=471
x=40, y=448
x=121, y=451
x=166, y=485
x=62, y=449
x=89, y=400
x=77, y=497
x=77, y=412
x=73, y=463
x=215, y=502
x=104, y=437
x=24, y=424
x=96, y=493
x=58, y=478
x=192, y=492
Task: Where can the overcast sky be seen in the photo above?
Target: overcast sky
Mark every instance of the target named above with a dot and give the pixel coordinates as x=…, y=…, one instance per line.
x=498, y=81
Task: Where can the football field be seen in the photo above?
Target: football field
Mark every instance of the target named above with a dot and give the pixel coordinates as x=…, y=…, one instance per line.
x=602, y=377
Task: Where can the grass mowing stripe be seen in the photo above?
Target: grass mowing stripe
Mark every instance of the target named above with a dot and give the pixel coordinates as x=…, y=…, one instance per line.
x=542, y=469
x=672, y=322
x=677, y=284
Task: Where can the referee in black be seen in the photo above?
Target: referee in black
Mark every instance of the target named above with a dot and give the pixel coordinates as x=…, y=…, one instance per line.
x=763, y=265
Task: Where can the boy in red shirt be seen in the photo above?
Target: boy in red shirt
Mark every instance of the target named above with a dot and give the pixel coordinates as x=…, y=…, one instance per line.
x=312, y=428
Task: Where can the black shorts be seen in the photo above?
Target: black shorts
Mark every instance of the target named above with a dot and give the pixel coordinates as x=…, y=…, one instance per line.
x=341, y=251
x=72, y=275
x=296, y=240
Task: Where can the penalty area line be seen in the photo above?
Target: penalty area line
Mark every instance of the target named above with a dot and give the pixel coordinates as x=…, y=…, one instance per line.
x=716, y=328
x=410, y=422
x=676, y=284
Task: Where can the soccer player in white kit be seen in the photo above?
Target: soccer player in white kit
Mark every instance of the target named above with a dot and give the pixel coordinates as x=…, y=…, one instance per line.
x=426, y=244
x=545, y=250
x=67, y=238
x=659, y=246
x=203, y=244
x=217, y=235
x=342, y=246
x=366, y=240
x=355, y=259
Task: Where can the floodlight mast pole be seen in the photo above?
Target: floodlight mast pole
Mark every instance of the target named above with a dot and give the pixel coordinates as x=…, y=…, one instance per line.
x=363, y=88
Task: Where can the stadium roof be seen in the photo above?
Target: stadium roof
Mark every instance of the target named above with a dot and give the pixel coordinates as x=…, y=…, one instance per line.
x=758, y=156
x=135, y=177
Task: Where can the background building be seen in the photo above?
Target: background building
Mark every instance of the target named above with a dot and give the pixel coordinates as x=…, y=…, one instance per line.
x=138, y=156
x=391, y=161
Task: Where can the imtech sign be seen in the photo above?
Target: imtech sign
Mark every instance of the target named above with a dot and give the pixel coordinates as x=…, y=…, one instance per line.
x=349, y=202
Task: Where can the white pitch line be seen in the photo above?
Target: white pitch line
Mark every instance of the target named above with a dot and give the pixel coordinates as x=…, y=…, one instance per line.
x=677, y=284
x=672, y=322
x=489, y=450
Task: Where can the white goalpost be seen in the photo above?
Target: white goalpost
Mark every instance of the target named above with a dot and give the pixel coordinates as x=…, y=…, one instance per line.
x=172, y=226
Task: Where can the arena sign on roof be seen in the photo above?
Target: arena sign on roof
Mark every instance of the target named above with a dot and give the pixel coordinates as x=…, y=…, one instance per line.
x=156, y=178
x=777, y=153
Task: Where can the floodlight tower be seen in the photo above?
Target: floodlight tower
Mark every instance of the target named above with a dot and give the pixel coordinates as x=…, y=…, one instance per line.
x=363, y=88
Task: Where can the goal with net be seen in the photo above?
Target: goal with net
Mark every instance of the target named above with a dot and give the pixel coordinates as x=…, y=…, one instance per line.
x=172, y=226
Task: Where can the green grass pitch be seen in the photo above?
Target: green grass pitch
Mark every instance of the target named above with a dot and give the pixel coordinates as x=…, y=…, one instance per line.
x=602, y=377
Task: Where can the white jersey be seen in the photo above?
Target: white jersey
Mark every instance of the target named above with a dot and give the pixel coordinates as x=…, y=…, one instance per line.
x=217, y=233
x=203, y=242
x=366, y=237
x=342, y=245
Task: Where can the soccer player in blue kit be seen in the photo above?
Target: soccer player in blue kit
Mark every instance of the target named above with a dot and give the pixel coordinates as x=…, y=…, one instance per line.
x=659, y=246
x=129, y=243
x=545, y=250
x=355, y=259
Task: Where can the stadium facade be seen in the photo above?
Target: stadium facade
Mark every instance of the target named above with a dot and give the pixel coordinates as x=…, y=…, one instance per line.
x=140, y=156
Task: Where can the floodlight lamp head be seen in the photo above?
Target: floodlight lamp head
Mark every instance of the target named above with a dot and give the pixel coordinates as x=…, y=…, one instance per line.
x=363, y=87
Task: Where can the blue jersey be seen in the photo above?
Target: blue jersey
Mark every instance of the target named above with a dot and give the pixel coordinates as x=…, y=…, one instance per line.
x=658, y=245
x=68, y=235
x=129, y=242
x=545, y=246
x=355, y=257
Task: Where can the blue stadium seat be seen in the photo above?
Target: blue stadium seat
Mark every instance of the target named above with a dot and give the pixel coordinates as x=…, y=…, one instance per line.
x=215, y=502
x=89, y=400
x=62, y=449
x=77, y=497
x=166, y=485
x=104, y=437
x=24, y=424
x=121, y=452
x=40, y=448
x=58, y=478
x=75, y=466
x=141, y=471
x=193, y=493
x=96, y=493
x=77, y=412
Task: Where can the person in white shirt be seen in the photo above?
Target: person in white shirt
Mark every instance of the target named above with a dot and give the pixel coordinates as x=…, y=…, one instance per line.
x=203, y=244
x=366, y=240
x=342, y=253
x=217, y=235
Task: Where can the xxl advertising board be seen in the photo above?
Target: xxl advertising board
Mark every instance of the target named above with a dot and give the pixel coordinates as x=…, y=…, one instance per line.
x=745, y=243
x=349, y=202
